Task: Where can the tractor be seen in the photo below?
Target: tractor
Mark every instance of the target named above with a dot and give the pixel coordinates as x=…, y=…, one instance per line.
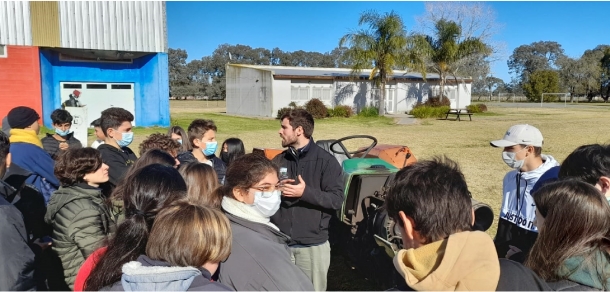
x=361, y=228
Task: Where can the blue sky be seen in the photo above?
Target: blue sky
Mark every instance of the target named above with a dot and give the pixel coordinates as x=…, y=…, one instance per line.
x=200, y=27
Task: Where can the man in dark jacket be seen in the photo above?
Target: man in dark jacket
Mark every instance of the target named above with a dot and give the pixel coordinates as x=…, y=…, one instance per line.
x=116, y=125
x=202, y=136
x=18, y=260
x=310, y=196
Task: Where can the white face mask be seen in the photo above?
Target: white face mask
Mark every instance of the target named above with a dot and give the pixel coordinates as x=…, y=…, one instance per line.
x=511, y=160
x=267, y=202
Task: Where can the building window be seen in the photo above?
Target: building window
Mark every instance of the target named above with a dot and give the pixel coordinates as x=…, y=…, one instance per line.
x=97, y=86
x=3, y=51
x=121, y=86
x=298, y=93
x=69, y=58
x=73, y=86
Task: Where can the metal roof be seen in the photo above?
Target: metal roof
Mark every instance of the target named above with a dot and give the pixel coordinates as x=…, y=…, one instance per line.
x=332, y=73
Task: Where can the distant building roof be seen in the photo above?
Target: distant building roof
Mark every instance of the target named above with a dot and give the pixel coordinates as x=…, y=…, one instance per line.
x=285, y=72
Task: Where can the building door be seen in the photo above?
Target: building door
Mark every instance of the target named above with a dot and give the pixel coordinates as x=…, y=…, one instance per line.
x=100, y=96
x=390, y=100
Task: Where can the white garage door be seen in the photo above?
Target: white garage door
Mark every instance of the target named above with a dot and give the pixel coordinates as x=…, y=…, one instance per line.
x=99, y=96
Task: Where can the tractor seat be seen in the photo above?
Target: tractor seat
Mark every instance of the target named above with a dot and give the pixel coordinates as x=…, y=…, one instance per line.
x=325, y=144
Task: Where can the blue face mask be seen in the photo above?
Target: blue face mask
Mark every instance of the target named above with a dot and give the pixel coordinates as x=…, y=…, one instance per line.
x=126, y=140
x=210, y=148
x=62, y=133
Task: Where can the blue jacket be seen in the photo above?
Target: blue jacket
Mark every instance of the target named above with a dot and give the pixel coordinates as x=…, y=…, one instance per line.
x=37, y=161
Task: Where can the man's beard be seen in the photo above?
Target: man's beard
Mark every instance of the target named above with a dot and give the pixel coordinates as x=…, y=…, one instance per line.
x=289, y=142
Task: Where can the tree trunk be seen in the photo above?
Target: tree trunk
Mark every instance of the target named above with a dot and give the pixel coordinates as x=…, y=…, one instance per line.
x=442, y=93
x=382, y=98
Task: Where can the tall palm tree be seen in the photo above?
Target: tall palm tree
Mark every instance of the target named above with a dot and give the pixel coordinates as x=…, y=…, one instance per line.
x=382, y=46
x=446, y=51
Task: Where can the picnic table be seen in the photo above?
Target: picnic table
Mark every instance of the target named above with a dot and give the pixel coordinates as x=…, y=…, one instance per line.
x=458, y=112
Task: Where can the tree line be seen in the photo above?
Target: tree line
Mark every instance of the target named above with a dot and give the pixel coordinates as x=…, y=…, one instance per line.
x=206, y=76
x=543, y=67
x=451, y=39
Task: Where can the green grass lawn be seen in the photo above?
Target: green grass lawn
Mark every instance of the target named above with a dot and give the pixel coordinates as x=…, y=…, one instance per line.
x=466, y=142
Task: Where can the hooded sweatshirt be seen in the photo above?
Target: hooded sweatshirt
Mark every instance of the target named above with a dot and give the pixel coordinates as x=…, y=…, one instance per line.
x=147, y=274
x=518, y=205
x=463, y=261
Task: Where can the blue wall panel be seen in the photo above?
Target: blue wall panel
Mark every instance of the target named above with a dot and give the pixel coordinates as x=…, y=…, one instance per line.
x=149, y=75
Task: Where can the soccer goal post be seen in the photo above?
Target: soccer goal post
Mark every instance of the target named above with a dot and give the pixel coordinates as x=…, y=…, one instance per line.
x=564, y=94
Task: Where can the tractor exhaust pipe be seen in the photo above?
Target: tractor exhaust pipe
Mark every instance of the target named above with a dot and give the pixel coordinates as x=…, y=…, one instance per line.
x=483, y=215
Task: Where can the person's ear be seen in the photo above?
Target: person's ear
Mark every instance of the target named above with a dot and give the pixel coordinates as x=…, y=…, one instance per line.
x=410, y=237
x=604, y=184
x=9, y=159
x=299, y=131
x=473, y=219
x=197, y=143
x=239, y=194
x=109, y=133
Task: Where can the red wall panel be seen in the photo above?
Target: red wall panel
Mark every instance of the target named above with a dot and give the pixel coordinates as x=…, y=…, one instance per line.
x=20, y=79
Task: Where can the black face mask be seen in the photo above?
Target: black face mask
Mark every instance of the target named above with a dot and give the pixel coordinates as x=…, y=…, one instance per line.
x=224, y=156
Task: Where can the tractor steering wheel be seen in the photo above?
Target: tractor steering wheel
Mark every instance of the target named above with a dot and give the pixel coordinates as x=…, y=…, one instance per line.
x=350, y=154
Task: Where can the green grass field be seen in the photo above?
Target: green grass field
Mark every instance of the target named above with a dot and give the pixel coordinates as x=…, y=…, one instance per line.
x=466, y=142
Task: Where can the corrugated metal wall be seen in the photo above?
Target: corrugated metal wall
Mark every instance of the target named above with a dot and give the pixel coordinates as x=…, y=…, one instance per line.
x=15, y=23
x=45, y=23
x=113, y=25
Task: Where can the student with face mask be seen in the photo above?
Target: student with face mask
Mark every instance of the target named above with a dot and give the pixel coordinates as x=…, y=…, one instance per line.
x=260, y=259
x=116, y=125
x=523, y=153
x=63, y=138
x=202, y=137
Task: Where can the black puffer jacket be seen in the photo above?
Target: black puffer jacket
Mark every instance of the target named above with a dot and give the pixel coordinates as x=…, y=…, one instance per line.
x=81, y=221
x=219, y=166
x=17, y=259
x=305, y=220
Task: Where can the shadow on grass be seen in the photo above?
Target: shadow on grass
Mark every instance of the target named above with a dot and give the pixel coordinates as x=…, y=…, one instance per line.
x=343, y=277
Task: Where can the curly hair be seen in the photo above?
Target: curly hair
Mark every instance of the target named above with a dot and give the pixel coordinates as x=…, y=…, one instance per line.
x=74, y=164
x=159, y=141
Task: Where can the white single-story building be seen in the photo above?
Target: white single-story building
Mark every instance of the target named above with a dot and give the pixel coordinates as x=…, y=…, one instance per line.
x=256, y=90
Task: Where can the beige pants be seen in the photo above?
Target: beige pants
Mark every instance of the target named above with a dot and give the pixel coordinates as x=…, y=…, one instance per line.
x=314, y=261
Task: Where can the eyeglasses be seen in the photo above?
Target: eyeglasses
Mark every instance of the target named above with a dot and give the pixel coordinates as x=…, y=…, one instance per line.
x=267, y=188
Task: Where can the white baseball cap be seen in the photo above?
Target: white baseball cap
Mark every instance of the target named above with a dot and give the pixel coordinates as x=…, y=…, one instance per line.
x=520, y=134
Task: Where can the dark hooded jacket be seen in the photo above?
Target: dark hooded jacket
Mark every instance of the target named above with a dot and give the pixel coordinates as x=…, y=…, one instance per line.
x=18, y=260
x=118, y=161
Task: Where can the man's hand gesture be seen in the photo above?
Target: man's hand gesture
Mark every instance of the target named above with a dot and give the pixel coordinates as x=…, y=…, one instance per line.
x=293, y=191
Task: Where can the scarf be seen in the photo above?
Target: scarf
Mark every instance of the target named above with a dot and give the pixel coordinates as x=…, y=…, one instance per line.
x=25, y=136
x=244, y=211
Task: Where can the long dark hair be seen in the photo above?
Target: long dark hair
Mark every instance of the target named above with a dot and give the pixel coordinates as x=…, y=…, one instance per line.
x=152, y=188
x=576, y=219
x=186, y=145
x=235, y=149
